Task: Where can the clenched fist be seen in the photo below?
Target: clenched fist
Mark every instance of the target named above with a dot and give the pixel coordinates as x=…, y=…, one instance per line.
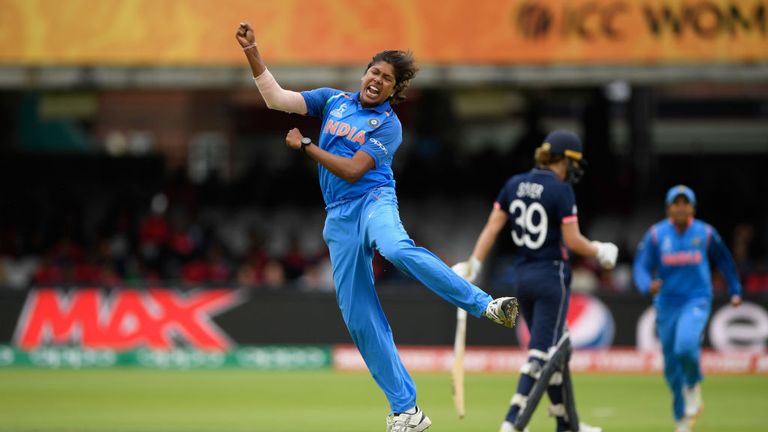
x=244, y=35
x=293, y=139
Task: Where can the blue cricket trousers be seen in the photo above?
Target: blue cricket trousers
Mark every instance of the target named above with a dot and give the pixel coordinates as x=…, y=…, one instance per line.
x=680, y=328
x=352, y=230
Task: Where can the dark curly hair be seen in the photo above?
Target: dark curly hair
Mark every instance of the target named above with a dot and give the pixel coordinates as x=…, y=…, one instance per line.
x=405, y=70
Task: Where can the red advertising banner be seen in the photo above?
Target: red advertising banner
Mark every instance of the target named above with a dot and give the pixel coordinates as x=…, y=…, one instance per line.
x=126, y=319
x=509, y=360
x=311, y=32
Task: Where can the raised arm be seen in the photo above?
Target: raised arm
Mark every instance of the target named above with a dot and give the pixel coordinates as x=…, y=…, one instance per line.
x=275, y=96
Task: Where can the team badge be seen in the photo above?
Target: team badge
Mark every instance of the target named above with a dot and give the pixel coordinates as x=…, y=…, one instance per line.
x=374, y=123
x=339, y=112
x=696, y=242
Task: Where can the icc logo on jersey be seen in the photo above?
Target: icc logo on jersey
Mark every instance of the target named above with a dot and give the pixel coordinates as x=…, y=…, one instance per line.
x=339, y=112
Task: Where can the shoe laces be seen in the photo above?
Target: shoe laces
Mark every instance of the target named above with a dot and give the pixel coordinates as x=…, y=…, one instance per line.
x=400, y=422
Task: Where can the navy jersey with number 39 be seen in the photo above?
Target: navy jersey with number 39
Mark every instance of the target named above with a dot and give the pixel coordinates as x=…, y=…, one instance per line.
x=538, y=203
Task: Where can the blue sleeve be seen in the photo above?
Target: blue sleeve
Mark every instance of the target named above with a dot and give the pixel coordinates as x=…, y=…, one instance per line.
x=382, y=143
x=317, y=98
x=724, y=261
x=642, y=268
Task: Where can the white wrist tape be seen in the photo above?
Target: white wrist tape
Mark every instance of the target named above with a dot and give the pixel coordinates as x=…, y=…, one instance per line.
x=276, y=97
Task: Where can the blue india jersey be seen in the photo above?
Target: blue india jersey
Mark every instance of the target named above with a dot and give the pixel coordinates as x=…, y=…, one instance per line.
x=538, y=203
x=348, y=127
x=681, y=260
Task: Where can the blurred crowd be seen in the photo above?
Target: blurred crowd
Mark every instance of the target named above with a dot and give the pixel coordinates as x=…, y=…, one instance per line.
x=161, y=248
x=177, y=246
x=227, y=205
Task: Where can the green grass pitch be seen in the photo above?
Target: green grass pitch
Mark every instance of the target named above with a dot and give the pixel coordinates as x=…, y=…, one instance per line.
x=139, y=400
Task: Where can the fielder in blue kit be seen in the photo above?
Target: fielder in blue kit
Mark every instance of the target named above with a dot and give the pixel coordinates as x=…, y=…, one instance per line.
x=673, y=264
x=359, y=136
x=541, y=208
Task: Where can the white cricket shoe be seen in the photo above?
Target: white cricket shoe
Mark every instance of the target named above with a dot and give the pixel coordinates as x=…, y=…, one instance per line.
x=683, y=425
x=503, y=310
x=408, y=421
x=693, y=401
x=508, y=427
x=583, y=427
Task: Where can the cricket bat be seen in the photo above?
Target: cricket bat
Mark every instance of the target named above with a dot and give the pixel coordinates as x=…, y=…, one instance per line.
x=457, y=372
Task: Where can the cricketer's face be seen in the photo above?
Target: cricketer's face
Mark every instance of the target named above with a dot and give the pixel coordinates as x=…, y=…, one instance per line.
x=681, y=210
x=378, y=84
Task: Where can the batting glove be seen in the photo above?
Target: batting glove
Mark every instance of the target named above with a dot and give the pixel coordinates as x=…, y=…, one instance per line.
x=468, y=269
x=606, y=254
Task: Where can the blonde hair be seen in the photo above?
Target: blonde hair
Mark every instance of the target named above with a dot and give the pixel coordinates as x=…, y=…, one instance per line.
x=542, y=157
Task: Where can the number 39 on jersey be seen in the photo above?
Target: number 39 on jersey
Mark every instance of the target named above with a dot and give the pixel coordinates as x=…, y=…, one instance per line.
x=529, y=224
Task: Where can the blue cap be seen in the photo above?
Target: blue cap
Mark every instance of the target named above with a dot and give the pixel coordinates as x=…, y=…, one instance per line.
x=683, y=190
x=562, y=142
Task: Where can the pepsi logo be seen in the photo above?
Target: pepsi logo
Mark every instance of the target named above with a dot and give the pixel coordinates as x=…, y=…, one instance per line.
x=589, y=321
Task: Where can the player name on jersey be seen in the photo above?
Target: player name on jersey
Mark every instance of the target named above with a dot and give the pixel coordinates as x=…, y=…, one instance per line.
x=530, y=190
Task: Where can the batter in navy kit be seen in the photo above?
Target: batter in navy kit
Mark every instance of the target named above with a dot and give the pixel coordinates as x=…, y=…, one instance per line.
x=541, y=208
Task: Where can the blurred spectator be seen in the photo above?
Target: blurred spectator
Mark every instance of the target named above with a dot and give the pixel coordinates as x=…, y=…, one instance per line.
x=317, y=277
x=743, y=235
x=252, y=271
x=274, y=276
x=212, y=268
x=154, y=233
x=16, y=271
x=583, y=278
x=294, y=262
x=756, y=282
x=622, y=278
x=48, y=273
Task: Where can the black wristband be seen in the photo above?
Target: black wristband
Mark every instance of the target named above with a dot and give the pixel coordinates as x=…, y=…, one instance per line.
x=304, y=143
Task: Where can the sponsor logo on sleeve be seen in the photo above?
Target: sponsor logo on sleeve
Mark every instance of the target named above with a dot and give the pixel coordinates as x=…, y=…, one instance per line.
x=378, y=144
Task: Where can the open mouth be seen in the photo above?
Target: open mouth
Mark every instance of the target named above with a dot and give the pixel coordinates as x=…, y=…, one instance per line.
x=372, y=91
